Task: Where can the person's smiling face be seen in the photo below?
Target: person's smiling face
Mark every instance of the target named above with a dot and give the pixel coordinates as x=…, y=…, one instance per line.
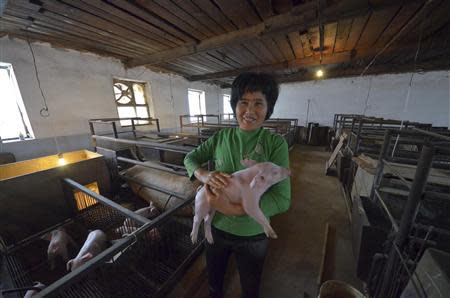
x=251, y=110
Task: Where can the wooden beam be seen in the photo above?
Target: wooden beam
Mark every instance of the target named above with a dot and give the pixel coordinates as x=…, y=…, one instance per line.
x=430, y=65
x=300, y=18
x=313, y=61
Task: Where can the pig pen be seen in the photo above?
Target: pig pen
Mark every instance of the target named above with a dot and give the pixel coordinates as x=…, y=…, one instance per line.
x=145, y=263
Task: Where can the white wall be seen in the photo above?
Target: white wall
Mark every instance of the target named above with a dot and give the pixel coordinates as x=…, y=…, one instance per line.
x=429, y=99
x=78, y=86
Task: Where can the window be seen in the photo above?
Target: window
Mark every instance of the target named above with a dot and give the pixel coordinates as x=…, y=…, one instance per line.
x=131, y=101
x=196, y=103
x=14, y=122
x=227, y=106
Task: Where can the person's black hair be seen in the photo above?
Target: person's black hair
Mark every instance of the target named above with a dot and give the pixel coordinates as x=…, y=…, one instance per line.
x=254, y=82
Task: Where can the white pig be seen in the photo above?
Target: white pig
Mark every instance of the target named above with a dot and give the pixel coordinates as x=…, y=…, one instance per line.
x=59, y=241
x=31, y=293
x=245, y=187
x=130, y=226
x=95, y=243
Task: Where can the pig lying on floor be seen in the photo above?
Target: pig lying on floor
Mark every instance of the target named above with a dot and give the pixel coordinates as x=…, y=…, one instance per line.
x=246, y=187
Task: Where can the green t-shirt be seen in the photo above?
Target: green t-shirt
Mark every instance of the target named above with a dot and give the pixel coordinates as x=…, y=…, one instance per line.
x=227, y=148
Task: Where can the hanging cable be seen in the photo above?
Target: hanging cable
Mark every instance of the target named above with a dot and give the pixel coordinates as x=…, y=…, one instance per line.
x=394, y=38
x=44, y=111
x=408, y=94
x=366, y=103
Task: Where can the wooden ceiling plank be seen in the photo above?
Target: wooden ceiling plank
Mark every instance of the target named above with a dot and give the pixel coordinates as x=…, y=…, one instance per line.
x=230, y=52
x=307, y=48
x=278, y=24
x=342, y=34
x=81, y=16
x=183, y=15
x=62, y=42
x=314, y=38
x=312, y=61
x=258, y=48
x=272, y=46
x=296, y=43
x=95, y=47
x=68, y=29
x=329, y=37
x=242, y=55
x=358, y=25
x=437, y=18
x=282, y=6
x=264, y=8
x=151, y=19
x=115, y=38
x=246, y=54
x=285, y=47
x=127, y=19
x=171, y=67
x=412, y=30
x=378, y=22
x=197, y=63
x=182, y=25
x=214, y=61
x=16, y=20
x=209, y=8
x=221, y=55
x=239, y=12
x=200, y=16
x=402, y=17
x=143, y=35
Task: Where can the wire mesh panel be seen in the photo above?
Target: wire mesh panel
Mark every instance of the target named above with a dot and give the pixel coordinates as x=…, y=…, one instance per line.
x=27, y=262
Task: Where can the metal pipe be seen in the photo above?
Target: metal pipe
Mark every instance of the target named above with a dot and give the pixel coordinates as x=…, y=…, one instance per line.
x=415, y=193
x=380, y=166
x=165, y=147
x=156, y=167
x=394, y=171
x=432, y=134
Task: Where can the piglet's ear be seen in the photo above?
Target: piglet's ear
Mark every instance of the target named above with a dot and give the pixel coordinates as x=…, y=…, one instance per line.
x=248, y=163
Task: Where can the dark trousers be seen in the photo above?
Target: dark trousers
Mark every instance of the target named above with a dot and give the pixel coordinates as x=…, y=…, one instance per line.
x=249, y=252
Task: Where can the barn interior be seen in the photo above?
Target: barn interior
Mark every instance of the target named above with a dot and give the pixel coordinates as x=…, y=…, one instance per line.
x=101, y=100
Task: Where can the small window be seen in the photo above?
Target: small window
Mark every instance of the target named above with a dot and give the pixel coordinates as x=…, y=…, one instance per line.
x=227, y=107
x=196, y=103
x=131, y=101
x=14, y=122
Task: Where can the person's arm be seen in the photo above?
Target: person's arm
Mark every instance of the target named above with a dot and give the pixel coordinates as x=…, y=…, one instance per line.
x=278, y=198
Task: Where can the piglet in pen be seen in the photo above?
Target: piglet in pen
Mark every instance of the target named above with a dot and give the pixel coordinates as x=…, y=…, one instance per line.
x=130, y=226
x=245, y=187
x=58, y=246
x=95, y=243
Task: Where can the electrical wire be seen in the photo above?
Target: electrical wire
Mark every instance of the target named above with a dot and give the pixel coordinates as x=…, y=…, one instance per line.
x=408, y=94
x=44, y=112
x=399, y=33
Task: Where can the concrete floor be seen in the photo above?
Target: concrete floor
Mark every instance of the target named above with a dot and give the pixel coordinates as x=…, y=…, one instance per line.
x=294, y=259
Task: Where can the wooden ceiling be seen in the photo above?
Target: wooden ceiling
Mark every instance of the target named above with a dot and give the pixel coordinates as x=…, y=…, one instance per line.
x=214, y=40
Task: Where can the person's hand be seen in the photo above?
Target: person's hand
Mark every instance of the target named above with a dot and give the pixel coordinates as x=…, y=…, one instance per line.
x=217, y=180
x=223, y=205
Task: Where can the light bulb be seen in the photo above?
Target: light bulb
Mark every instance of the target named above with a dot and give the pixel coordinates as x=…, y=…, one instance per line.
x=61, y=159
x=319, y=73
